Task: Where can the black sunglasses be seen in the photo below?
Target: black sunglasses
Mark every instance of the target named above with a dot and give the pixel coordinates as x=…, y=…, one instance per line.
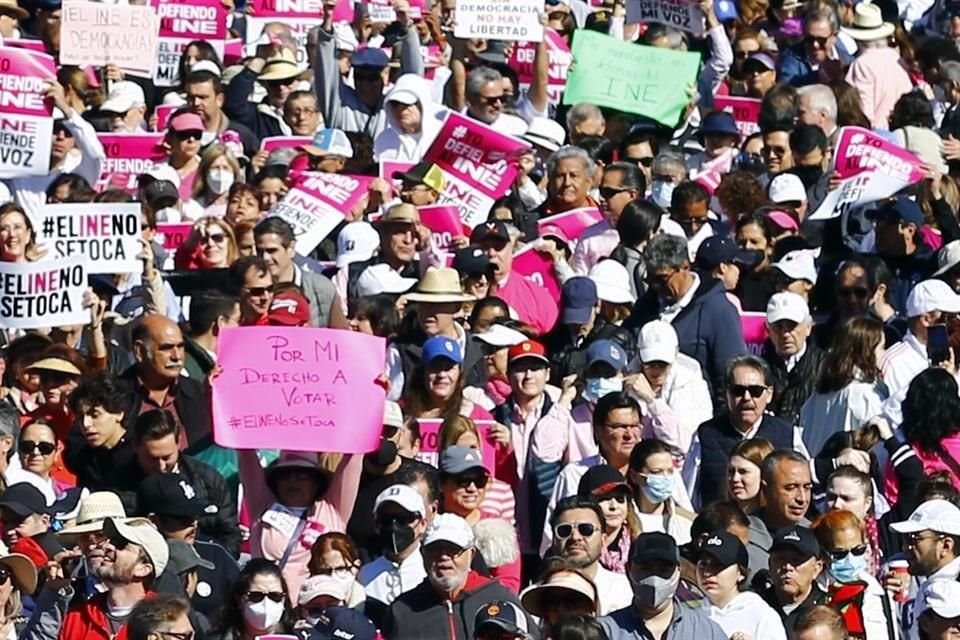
x=853, y=292
x=492, y=100
x=645, y=162
x=259, y=291
x=840, y=554
x=609, y=192
x=258, y=596
x=465, y=480
x=585, y=529
x=188, y=135
x=118, y=543
x=819, y=41
x=27, y=447
x=740, y=390
x=405, y=518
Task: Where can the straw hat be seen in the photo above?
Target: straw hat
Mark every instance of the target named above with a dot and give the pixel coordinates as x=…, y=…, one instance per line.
x=23, y=570
x=439, y=284
x=534, y=598
x=59, y=365
x=11, y=6
x=281, y=66
x=868, y=24
x=94, y=509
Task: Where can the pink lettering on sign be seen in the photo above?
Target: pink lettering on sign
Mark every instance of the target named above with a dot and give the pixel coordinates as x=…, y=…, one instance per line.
x=574, y=222
x=316, y=389
x=537, y=268
x=745, y=111
x=430, y=443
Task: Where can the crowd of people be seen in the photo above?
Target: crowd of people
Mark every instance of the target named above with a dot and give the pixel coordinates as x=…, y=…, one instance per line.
x=735, y=421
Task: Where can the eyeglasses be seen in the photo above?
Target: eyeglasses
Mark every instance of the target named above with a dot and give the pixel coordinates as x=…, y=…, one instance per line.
x=177, y=635
x=911, y=539
x=465, y=480
x=659, y=279
x=565, y=529
x=740, y=390
x=259, y=291
x=645, y=162
x=216, y=238
x=336, y=572
x=609, y=192
x=853, y=292
x=258, y=596
x=492, y=101
x=188, y=135
x=768, y=150
x=840, y=554
x=27, y=447
x=815, y=40
x=301, y=113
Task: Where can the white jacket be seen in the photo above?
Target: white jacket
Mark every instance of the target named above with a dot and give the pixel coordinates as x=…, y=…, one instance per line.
x=824, y=414
x=747, y=613
x=392, y=143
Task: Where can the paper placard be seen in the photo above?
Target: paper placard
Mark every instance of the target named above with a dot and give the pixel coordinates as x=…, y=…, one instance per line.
x=745, y=112
x=26, y=122
x=512, y=20
x=559, y=56
x=537, y=268
x=430, y=443
x=98, y=34
x=106, y=234
x=182, y=23
x=681, y=14
x=48, y=293
x=128, y=155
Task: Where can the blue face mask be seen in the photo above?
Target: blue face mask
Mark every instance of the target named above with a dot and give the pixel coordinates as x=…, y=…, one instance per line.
x=849, y=568
x=596, y=388
x=658, y=488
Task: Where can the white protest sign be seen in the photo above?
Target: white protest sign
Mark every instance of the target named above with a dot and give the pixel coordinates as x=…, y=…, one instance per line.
x=682, y=14
x=514, y=20
x=106, y=234
x=26, y=123
x=48, y=293
x=97, y=34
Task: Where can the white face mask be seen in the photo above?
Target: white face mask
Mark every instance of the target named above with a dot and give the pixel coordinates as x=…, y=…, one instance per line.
x=661, y=193
x=220, y=180
x=263, y=615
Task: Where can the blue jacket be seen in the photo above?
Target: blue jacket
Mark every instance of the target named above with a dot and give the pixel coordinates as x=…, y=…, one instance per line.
x=795, y=70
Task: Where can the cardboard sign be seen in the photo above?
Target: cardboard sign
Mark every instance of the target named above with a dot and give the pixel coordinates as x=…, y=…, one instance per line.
x=317, y=203
x=647, y=81
x=128, y=155
x=573, y=223
x=430, y=443
x=106, y=234
x=180, y=24
x=559, y=56
x=26, y=122
x=478, y=163
x=48, y=293
x=871, y=168
x=284, y=142
x=512, y=20
x=173, y=234
x=97, y=34
x=754, y=324
x=745, y=112
x=681, y=14
x=537, y=268
x=298, y=389
x=299, y=16
x=444, y=221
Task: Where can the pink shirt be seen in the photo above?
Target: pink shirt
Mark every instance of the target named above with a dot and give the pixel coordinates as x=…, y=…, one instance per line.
x=596, y=243
x=880, y=79
x=533, y=304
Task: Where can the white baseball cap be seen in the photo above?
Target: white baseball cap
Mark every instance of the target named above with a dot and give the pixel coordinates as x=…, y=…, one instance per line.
x=613, y=282
x=940, y=596
x=933, y=515
x=163, y=172
x=402, y=495
x=381, y=278
x=658, y=342
x=787, y=306
x=932, y=295
x=206, y=65
x=358, y=241
x=449, y=527
x=799, y=265
x=500, y=336
x=786, y=187
x=144, y=534
x=392, y=415
x=948, y=257
x=316, y=586
x=123, y=96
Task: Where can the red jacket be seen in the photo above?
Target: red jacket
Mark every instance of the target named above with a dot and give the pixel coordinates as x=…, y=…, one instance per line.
x=88, y=621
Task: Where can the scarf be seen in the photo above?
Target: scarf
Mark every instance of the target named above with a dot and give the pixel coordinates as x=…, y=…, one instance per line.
x=614, y=557
x=848, y=600
x=498, y=389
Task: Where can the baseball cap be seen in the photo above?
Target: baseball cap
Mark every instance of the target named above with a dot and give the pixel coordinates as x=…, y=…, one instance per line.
x=503, y=616
x=719, y=123
x=457, y=459
x=369, y=58
x=441, y=347
x=403, y=496
x=933, y=515
x=123, y=96
x=787, y=306
x=473, y=261
x=358, y=241
x=545, y=133
x=320, y=585
x=340, y=623
x=798, y=265
x=184, y=558
x=725, y=548
x=425, y=173
x=940, y=596
x=392, y=414
x=329, y=142
x=658, y=342
x=932, y=295
x=207, y=65
x=142, y=533
x=601, y=480
x=169, y=494
x=449, y=527
x=797, y=537
x=607, y=351
x=578, y=299
x=720, y=249
x=948, y=257
x=613, y=282
x=654, y=546
x=160, y=194
x=500, y=336
x=763, y=58
x=902, y=208
x=381, y=278
x=289, y=309
x=24, y=499
x=159, y=172
x=786, y=187
x=527, y=349
x=490, y=229
x=782, y=219
x=185, y=121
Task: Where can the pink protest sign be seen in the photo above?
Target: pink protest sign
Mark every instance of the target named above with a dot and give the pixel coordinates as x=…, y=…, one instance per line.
x=299, y=16
x=745, y=112
x=560, y=59
x=163, y=113
x=754, y=326
x=478, y=163
x=430, y=443
x=300, y=389
x=128, y=155
x=181, y=23
x=173, y=234
x=26, y=123
x=284, y=142
x=538, y=268
x=389, y=167
x=871, y=168
x=232, y=52
x=573, y=223
x=444, y=221
x=32, y=45
x=317, y=202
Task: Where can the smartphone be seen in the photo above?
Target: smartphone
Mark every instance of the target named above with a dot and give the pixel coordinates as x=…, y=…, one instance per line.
x=938, y=348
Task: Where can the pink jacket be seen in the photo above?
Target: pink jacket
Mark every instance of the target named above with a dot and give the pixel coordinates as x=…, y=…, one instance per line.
x=597, y=242
x=880, y=79
x=932, y=463
x=533, y=304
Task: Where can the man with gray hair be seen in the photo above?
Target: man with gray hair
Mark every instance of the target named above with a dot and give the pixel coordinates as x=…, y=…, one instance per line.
x=669, y=169
x=818, y=106
x=485, y=97
x=820, y=56
x=793, y=357
x=570, y=172
x=950, y=83
x=585, y=119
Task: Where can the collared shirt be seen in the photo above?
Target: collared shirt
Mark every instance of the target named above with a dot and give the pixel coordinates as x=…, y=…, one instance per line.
x=384, y=580
x=792, y=361
x=672, y=311
x=169, y=404
x=687, y=624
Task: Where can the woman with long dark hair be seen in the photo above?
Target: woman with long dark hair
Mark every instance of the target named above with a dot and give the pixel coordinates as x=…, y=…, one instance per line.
x=258, y=605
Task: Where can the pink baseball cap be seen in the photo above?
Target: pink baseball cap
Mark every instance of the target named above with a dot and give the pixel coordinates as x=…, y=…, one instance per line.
x=783, y=220
x=185, y=121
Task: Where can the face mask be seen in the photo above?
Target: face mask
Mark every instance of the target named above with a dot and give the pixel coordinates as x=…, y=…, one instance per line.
x=849, y=568
x=658, y=488
x=263, y=615
x=396, y=536
x=808, y=175
x=653, y=591
x=169, y=214
x=386, y=453
x=220, y=180
x=661, y=193
x=596, y=388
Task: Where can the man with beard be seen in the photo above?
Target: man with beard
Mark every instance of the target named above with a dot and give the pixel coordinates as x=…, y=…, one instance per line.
x=577, y=525
x=85, y=537
x=794, y=566
x=452, y=593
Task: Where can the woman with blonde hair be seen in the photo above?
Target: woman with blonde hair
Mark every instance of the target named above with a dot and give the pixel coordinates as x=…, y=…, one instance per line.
x=211, y=245
x=498, y=501
x=621, y=524
x=743, y=473
x=21, y=582
x=218, y=171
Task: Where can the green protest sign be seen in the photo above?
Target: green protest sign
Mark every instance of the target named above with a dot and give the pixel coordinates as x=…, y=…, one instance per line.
x=632, y=78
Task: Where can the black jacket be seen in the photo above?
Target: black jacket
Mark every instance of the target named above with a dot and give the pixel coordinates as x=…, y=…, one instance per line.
x=792, y=388
x=213, y=585
x=766, y=591
x=567, y=356
x=240, y=109
x=95, y=466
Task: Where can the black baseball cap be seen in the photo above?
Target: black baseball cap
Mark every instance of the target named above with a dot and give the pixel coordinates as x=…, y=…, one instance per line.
x=473, y=262
x=725, y=548
x=490, y=229
x=184, y=558
x=717, y=250
x=160, y=194
x=654, y=546
x=796, y=537
x=601, y=480
x=169, y=494
x=24, y=499
x=502, y=616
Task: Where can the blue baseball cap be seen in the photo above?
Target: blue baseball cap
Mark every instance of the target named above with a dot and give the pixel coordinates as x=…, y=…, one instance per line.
x=369, y=58
x=902, y=208
x=717, y=250
x=725, y=10
x=501, y=616
x=608, y=351
x=441, y=347
x=336, y=623
x=719, y=123
x=578, y=298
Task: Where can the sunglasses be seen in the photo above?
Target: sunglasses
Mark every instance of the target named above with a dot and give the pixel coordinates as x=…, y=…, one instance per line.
x=337, y=572
x=260, y=291
x=188, y=135
x=585, y=529
x=815, y=40
x=492, y=101
x=840, y=554
x=258, y=596
x=744, y=54
x=281, y=83
x=182, y=635
x=27, y=447
x=740, y=390
x=216, y=238
x=406, y=518
x=853, y=292
x=619, y=497
x=645, y=162
x=465, y=480
x=4, y=575
x=609, y=192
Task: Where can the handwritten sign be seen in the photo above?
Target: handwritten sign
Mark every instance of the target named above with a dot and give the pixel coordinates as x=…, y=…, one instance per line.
x=317, y=203
x=537, y=268
x=284, y=142
x=430, y=443
x=297, y=16
x=127, y=156
x=26, y=123
x=182, y=23
x=648, y=81
x=298, y=389
x=513, y=20
x=106, y=234
x=871, y=168
x=97, y=34
x=682, y=14
x=745, y=112
x=478, y=165
x=48, y=293
x=173, y=235
x=573, y=223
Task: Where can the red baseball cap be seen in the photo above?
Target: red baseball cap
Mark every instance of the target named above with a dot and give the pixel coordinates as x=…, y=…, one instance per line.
x=289, y=309
x=528, y=349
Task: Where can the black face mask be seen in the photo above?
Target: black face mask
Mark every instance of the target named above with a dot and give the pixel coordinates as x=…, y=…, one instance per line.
x=395, y=536
x=385, y=454
x=808, y=175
